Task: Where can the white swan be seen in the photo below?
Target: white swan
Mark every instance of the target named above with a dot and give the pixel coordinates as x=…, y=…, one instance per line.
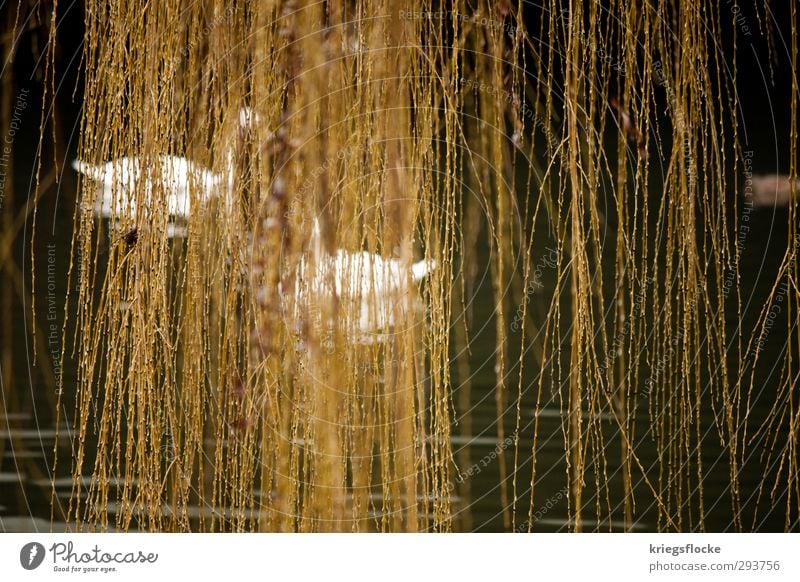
x=373, y=289
x=178, y=177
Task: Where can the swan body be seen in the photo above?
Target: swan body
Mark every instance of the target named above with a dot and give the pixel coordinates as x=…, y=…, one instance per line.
x=119, y=181
x=180, y=179
x=373, y=289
